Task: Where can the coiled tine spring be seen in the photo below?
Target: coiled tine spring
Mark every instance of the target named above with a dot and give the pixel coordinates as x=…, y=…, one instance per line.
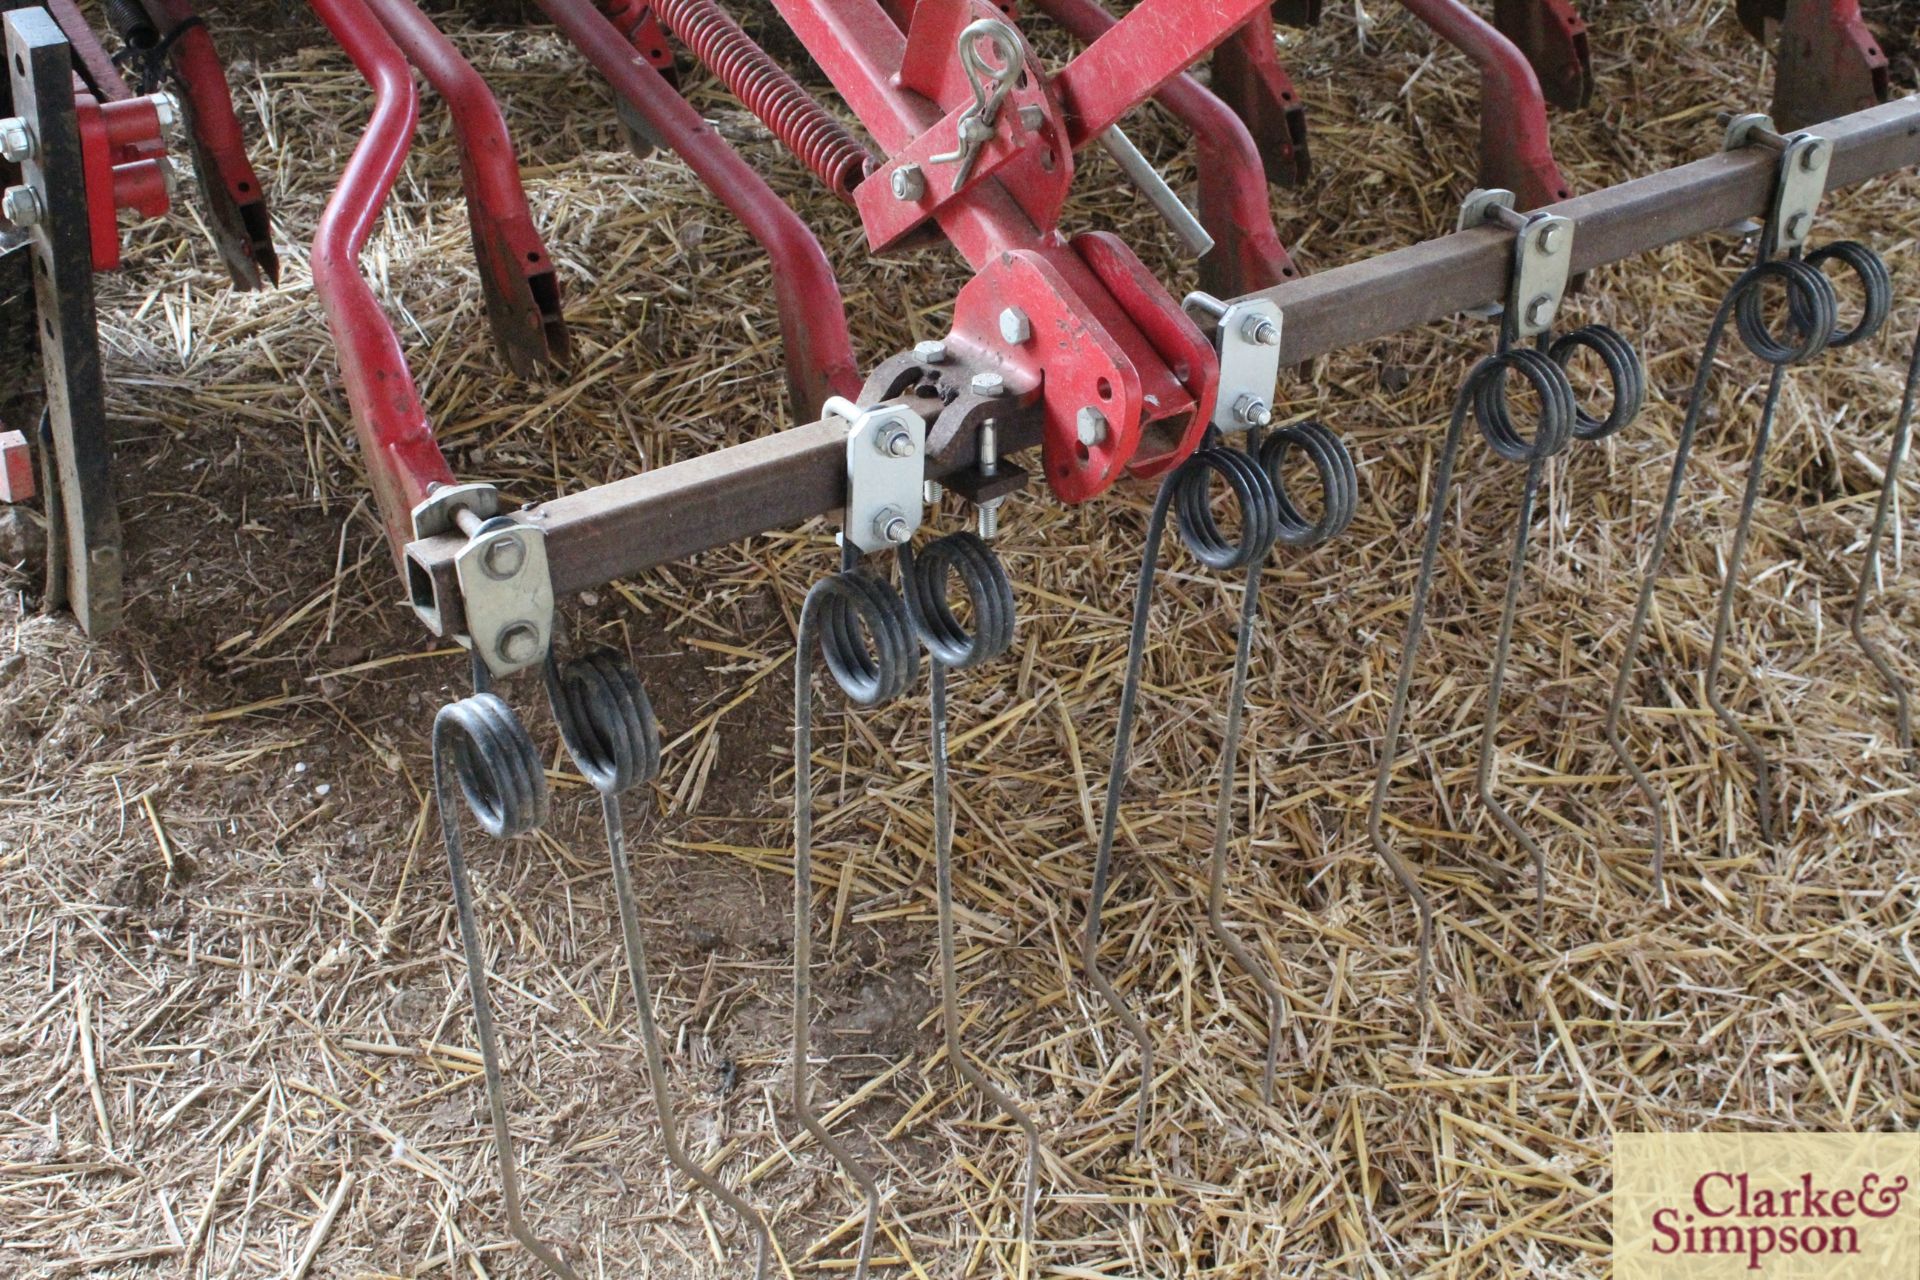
x=1339, y=494
x=1562, y=420
x=1812, y=311
x=926, y=579
x=866, y=639
x=1189, y=488
x=481, y=747
x=1870, y=561
x=1482, y=395
x=607, y=723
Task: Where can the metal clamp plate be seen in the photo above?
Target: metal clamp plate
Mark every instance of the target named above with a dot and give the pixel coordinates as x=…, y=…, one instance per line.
x=507, y=594
x=1542, y=260
x=886, y=462
x=1247, y=336
x=1798, y=188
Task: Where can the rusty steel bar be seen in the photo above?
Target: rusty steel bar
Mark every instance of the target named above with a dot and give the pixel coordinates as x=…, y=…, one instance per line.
x=778, y=481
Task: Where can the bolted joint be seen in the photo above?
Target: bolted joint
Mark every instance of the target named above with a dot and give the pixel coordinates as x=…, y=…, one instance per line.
x=1090, y=427
x=1015, y=328
x=987, y=384
x=22, y=206
x=17, y=143
x=1252, y=410
x=908, y=182
x=895, y=442
x=1261, y=331
x=504, y=557
x=889, y=525
x=519, y=642
x=1540, y=310
x=930, y=352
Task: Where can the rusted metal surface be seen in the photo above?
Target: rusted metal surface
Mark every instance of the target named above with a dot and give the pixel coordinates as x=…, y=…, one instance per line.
x=1827, y=63
x=1553, y=36
x=1248, y=76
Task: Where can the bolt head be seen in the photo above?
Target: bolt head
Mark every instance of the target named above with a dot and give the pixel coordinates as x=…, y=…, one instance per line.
x=17, y=143
x=167, y=108
x=891, y=526
x=1261, y=331
x=1014, y=326
x=1549, y=241
x=934, y=352
x=895, y=442
x=1253, y=411
x=1540, y=310
x=987, y=384
x=1813, y=156
x=1797, y=225
x=1090, y=426
x=519, y=642
x=908, y=182
x=1032, y=116
x=21, y=206
x=503, y=557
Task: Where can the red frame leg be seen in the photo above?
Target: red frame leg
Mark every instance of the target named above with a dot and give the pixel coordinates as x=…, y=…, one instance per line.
x=1828, y=63
x=1553, y=37
x=1248, y=76
x=517, y=279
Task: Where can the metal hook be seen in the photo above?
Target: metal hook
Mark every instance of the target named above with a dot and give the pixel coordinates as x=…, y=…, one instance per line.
x=991, y=85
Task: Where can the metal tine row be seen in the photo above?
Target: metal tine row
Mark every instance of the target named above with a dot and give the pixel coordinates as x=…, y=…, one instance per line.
x=1267, y=514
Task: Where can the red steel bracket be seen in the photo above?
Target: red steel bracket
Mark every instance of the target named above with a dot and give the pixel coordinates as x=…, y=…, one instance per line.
x=396, y=444
x=124, y=164
x=1553, y=37
x=517, y=279
x=813, y=319
x=16, y=468
x=1247, y=74
x=1515, y=150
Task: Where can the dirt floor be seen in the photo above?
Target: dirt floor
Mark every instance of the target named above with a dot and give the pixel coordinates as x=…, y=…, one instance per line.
x=233, y=1021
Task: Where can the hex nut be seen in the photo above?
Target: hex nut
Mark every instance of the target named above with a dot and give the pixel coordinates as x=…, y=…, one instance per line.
x=1252, y=410
x=503, y=557
x=1014, y=326
x=1091, y=427
x=1261, y=331
x=17, y=143
x=987, y=384
x=519, y=642
x=908, y=182
x=21, y=206
x=1540, y=310
x=895, y=441
x=931, y=352
x=890, y=526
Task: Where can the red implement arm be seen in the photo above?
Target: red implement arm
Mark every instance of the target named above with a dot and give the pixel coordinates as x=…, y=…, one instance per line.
x=813, y=320
x=1248, y=77
x=1515, y=150
x=1233, y=198
x=396, y=444
x=516, y=275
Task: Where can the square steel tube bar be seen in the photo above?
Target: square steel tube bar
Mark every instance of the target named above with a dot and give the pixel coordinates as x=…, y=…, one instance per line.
x=778, y=481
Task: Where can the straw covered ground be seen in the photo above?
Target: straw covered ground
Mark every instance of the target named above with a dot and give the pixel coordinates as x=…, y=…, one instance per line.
x=233, y=1020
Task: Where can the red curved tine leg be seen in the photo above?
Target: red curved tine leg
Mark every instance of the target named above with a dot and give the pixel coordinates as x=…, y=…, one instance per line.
x=1515, y=152
x=1829, y=64
x=813, y=320
x=397, y=445
x=1554, y=39
x=516, y=275
x=1247, y=74
x=1247, y=254
x=234, y=199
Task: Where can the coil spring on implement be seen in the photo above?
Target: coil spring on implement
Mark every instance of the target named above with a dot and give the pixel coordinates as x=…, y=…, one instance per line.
x=1187, y=488
x=480, y=745
x=1813, y=325
x=607, y=723
x=926, y=579
x=1562, y=420
x=1483, y=395
x=823, y=144
x=866, y=638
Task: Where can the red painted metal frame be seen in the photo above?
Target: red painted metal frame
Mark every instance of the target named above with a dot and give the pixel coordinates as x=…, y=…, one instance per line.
x=813, y=320
x=396, y=443
x=122, y=157
x=236, y=201
x=1091, y=356
x=517, y=279
x=1248, y=77
x=1247, y=253
x=1553, y=37
x=1515, y=150
x=1828, y=63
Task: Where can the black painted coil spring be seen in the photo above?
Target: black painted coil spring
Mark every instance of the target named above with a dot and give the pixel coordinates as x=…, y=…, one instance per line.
x=605, y=719
x=1339, y=483
x=1626, y=371
x=927, y=578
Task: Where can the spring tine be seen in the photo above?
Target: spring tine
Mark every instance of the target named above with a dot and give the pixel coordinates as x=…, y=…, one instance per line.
x=834, y=612
x=480, y=743
x=1110, y=814
x=1723, y=617
x=1811, y=297
x=924, y=580
x=607, y=724
x=1870, y=561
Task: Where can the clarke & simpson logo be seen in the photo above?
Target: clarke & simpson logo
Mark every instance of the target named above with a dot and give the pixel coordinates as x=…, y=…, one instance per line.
x=1775, y=1205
